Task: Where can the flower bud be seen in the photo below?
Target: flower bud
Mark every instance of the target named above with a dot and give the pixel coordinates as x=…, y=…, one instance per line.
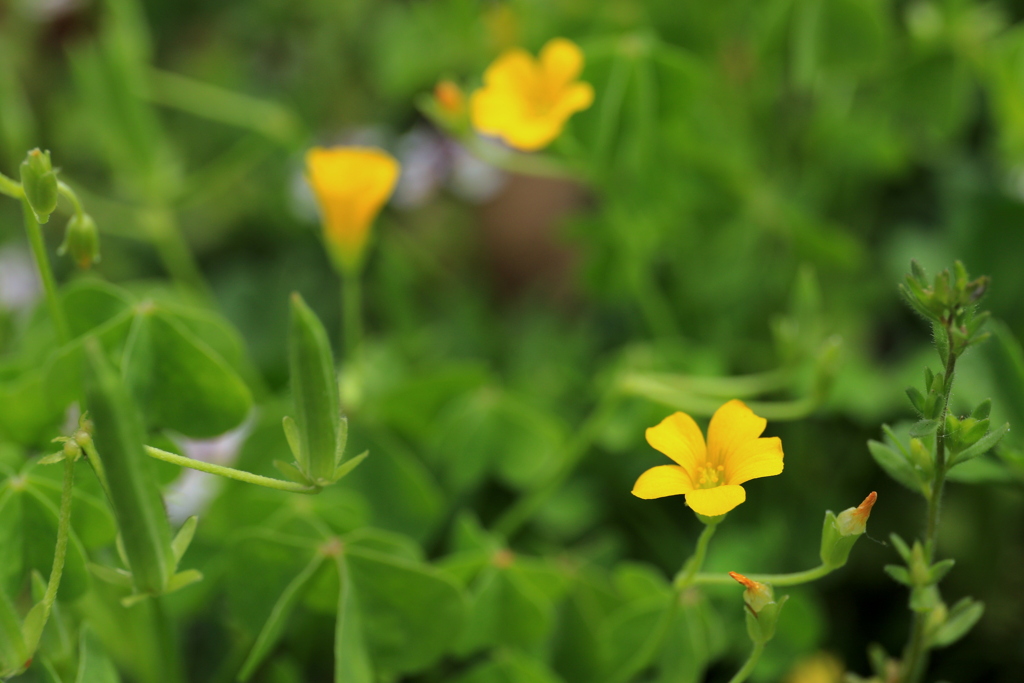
x=762, y=608
x=756, y=595
x=840, y=532
x=921, y=456
x=81, y=240
x=450, y=99
x=854, y=521
x=39, y=182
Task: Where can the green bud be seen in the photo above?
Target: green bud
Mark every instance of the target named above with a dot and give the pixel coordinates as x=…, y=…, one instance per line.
x=319, y=431
x=762, y=608
x=39, y=182
x=840, y=532
x=983, y=410
x=82, y=241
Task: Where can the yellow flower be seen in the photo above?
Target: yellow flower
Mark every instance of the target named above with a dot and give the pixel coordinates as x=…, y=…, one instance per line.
x=526, y=101
x=821, y=667
x=710, y=476
x=351, y=186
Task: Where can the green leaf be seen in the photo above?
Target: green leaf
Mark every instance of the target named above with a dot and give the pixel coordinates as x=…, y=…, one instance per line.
x=962, y=618
x=895, y=466
x=506, y=609
x=13, y=653
x=632, y=637
x=349, y=465
x=982, y=470
x=898, y=573
x=939, y=570
x=315, y=393
x=351, y=661
x=135, y=497
x=507, y=666
x=94, y=666
x=275, y=624
x=981, y=446
x=180, y=382
x=183, y=539
x=411, y=612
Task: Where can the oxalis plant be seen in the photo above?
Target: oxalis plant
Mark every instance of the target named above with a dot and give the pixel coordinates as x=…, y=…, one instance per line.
x=136, y=365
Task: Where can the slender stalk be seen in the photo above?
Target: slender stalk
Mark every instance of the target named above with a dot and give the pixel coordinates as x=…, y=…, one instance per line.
x=229, y=472
x=93, y=456
x=10, y=187
x=60, y=553
x=748, y=666
x=792, y=579
x=69, y=194
x=35, y=240
x=352, y=314
x=174, y=252
x=523, y=510
x=693, y=565
x=166, y=642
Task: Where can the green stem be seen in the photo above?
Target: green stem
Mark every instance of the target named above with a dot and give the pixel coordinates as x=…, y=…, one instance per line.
x=10, y=187
x=792, y=579
x=166, y=641
x=748, y=666
x=69, y=194
x=229, y=472
x=352, y=314
x=163, y=232
x=60, y=554
x=693, y=565
x=93, y=456
x=518, y=162
x=523, y=510
x=35, y=240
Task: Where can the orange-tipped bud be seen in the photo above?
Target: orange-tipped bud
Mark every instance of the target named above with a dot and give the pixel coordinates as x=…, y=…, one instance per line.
x=854, y=521
x=450, y=98
x=756, y=595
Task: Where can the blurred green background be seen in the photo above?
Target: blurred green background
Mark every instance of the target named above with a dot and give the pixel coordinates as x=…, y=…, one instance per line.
x=760, y=175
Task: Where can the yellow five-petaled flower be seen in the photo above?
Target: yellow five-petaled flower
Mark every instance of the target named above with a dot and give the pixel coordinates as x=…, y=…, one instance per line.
x=710, y=475
x=351, y=185
x=526, y=101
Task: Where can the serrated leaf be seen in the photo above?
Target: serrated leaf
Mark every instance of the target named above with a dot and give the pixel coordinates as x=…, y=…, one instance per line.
x=962, y=618
x=895, y=466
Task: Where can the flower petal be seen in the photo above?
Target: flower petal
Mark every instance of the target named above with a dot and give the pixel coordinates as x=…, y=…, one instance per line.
x=757, y=458
x=574, y=98
x=679, y=437
x=661, y=481
x=732, y=426
x=716, y=501
x=562, y=61
x=514, y=69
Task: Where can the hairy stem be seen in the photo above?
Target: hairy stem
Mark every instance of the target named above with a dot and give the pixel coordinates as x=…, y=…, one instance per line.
x=229, y=472
x=791, y=579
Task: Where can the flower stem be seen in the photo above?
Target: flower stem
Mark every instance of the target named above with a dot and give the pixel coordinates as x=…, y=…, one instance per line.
x=163, y=232
x=748, y=666
x=688, y=573
x=93, y=456
x=230, y=472
x=792, y=579
x=10, y=187
x=35, y=240
x=351, y=314
x=59, y=555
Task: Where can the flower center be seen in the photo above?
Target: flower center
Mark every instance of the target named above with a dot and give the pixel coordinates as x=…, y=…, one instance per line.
x=710, y=476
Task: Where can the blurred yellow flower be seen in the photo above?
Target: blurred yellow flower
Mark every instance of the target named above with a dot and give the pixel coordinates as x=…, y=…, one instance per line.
x=526, y=101
x=710, y=476
x=351, y=185
x=820, y=667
